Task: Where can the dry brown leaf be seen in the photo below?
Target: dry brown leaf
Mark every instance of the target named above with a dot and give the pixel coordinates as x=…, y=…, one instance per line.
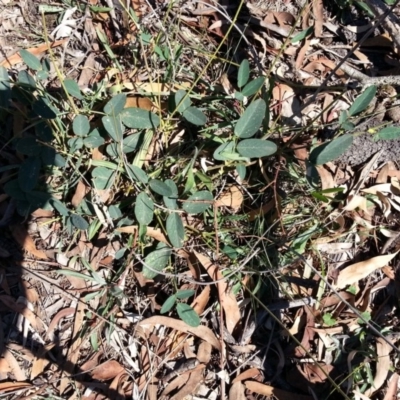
x=279, y=394
x=158, y=88
x=391, y=393
x=176, y=383
x=201, y=331
x=360, y=270
x=318, y=11
x=383, y=365
x=195, y=379
x=16, y=370
x=227, y=299
x=356, y=201
x=10, y=386
x=204, y=353
x=66, y=312
x=302, y=53
x=236, y=392
x=248, y=374
x=73, y=350
x=107, y=370
x=80, y=193
x=139, y=102
x=152, y=232
x=16, y=58
x=259, y=212
x=200, y=302
x=21, y=235
x=327, y=180
x=232, y=198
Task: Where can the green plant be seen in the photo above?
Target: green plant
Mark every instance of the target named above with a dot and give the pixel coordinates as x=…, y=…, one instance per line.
x=185, y=312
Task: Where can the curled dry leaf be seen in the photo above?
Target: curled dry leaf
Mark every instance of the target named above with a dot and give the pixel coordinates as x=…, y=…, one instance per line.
x=227, y=299
x=232, y=198
x=383, y=365
x=360, y=270
x=279, y=394
x=107, y=370
x=201, y=331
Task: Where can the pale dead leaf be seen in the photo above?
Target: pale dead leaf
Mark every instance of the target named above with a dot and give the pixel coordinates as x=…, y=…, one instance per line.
x=36, y=51
x=236, y=392
x=152, y=232
x=391, y=393
x=250, y=373
x=200, y=302
x=21, y=235
x=279, y=394
x=383, y=365
x=80, y=193
x=16, y=370
x=327, y=180
x=139, y=102
x=356, y=201
x=226, y=84
x=157, y=88
x=11, y=386
x=201, y=331
x=232, y=198
x=204, y=352
x=227, y=299
x=107, y=370
x=190, y=388
x=360, y=270
x=318, y=11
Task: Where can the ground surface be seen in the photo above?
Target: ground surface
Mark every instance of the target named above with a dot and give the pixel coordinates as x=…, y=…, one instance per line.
x=199, y=200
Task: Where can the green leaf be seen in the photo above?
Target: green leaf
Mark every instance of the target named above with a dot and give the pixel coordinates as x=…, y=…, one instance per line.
x=187, y=314
x=198, y=202
x=73, y=89
x=42, y=75
x=5, y=88
x=115, y=105
x=256, y=148
x=13, y=189
x=28, y=174
x=30, y=60
x=362, y=101
x=43, y=108
x=93, y=140
x=29, y=146
x=251, y=120
x=160, y=187
x=225, y=151
x=253, y=86
x=131, y=143
x=139, y=119
x=184, y=294
x=144, y=209
x=137, y=174
x=388, y=133
x=103, y=178
x=26, y=79
x=168, y=304
x=241, y=170
x=328, y=319
x=79, y=222
x=331, y=150
x=157, y=259
x=113, y=126
x=194, y=116
x=81, y=125
x=175, y=230
x=243, y=73
x=182, y=106
x=170, y=201
x=302, y=35
x=75, y=274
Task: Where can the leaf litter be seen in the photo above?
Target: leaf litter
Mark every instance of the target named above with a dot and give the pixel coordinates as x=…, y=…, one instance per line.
x=328, y=230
